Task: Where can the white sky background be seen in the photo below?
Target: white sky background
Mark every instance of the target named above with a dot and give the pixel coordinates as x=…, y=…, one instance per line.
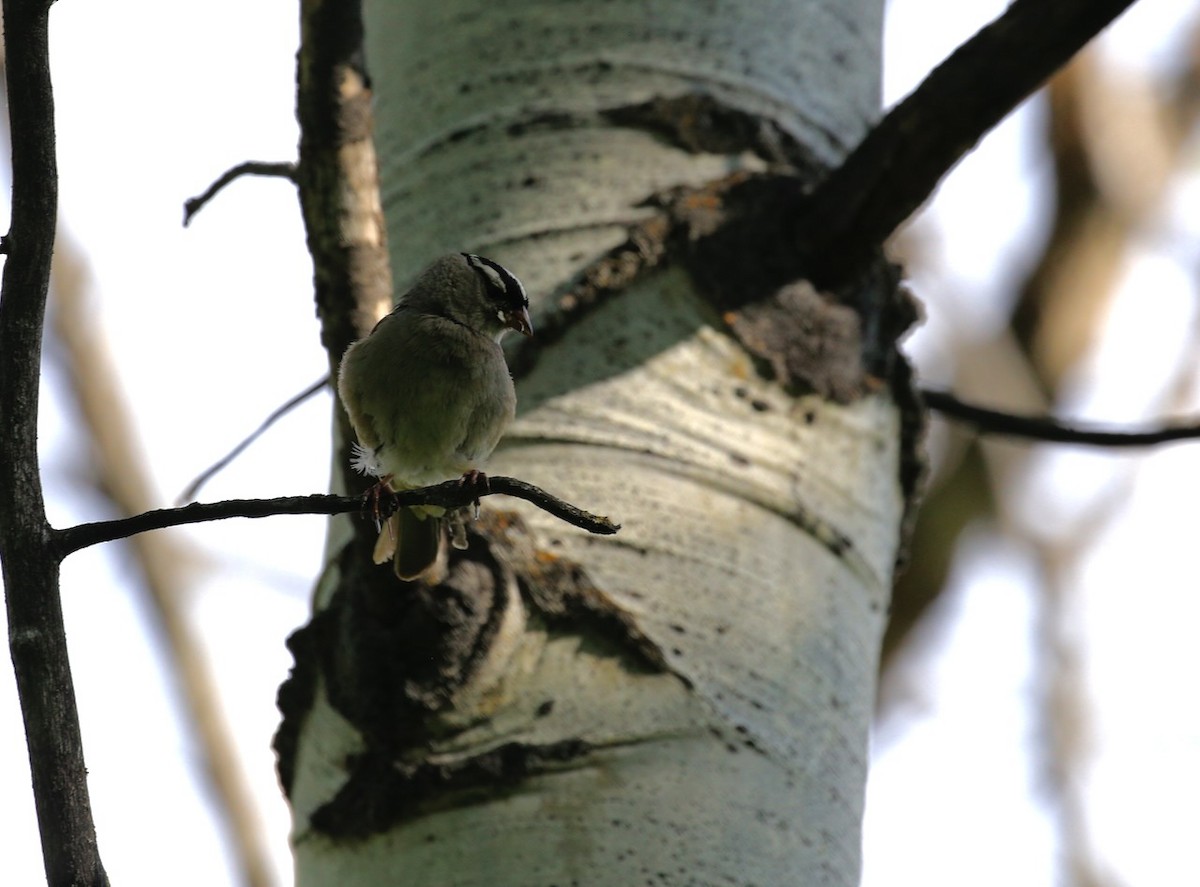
x=213, y=327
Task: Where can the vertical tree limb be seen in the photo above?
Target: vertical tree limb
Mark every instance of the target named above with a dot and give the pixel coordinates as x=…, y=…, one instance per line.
x=338, y=182
x=37, y=639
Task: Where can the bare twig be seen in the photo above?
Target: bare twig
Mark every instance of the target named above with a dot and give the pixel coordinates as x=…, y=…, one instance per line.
x=280, y=170
x=902, y=159
x=37, y=639
x=205, y=476
x=1052, y=430
x=451, y=494
x=988, y=421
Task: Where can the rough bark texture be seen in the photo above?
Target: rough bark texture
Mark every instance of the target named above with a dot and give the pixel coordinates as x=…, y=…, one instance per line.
x=338, y=183
x=688, y=701
x=37, y=640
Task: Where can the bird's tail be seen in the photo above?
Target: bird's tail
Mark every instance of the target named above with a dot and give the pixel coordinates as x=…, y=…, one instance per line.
x=410, y=541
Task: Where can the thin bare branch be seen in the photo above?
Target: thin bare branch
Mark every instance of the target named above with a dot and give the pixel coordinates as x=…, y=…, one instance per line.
x=205, y=476
x=451, y=494
x=1041, y=428
x=279, y=170
x=902, y=159
x=37, y=638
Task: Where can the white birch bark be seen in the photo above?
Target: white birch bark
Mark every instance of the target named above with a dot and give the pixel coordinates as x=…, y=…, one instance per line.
x=759, y=528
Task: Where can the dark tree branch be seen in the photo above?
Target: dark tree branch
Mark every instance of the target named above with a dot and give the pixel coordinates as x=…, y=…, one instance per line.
x=902, y=159
x=1052, y=430
x=205, y=476
x=281, y=170
x=37, y=639
x=451, y=494
x=986, y=420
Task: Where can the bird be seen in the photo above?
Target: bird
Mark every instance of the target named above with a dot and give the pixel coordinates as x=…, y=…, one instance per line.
x=428, y=394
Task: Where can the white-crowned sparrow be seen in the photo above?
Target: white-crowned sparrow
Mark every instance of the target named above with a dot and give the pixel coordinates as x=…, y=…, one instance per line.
x=429, y=394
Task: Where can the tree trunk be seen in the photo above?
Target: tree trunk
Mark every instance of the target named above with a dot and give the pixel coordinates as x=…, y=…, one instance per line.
x=686, y=702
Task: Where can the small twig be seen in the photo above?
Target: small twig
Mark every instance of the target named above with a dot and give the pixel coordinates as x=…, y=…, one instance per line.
x=986, y=420
x=205, y=476
x=451, y=494
x=903, y=157
x=518, y=489
x=1051, y=430
x=280, y=170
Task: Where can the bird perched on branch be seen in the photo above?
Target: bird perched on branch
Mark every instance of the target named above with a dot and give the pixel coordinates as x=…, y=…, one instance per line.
x=428, y=393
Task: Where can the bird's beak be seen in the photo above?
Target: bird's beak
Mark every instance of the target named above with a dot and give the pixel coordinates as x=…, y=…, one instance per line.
x=519, y=321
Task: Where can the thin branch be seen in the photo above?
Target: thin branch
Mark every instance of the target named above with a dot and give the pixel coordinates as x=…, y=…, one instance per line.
x=205, y=476
x=1052, y=430
x=37, y=638
x=280, y=170
x=564, y=511
x=988, y=420
x=902, y=159
x=451, y=494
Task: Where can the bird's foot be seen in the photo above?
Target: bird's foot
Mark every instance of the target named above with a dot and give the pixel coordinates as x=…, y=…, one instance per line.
x=379, y=501
x=477, y=480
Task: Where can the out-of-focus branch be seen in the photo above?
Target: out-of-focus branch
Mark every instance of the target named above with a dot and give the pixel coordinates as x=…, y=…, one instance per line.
x=37, y=639
x=1062, y=302
x=1103, y=202
x=902, y=159
x=1115, y=147
x=120, y=476
x=279, y=170
x=1060, y=305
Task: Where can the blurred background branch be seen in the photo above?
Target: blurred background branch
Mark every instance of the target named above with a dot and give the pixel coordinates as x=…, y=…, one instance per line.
x=165, y=565
x=1116, y=149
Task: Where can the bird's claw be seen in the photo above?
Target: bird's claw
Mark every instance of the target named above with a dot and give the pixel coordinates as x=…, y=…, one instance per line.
x=475, y=479
x=379, y=502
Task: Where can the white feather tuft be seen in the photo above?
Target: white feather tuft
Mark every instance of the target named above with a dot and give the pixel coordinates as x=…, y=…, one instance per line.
x=364, y=460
